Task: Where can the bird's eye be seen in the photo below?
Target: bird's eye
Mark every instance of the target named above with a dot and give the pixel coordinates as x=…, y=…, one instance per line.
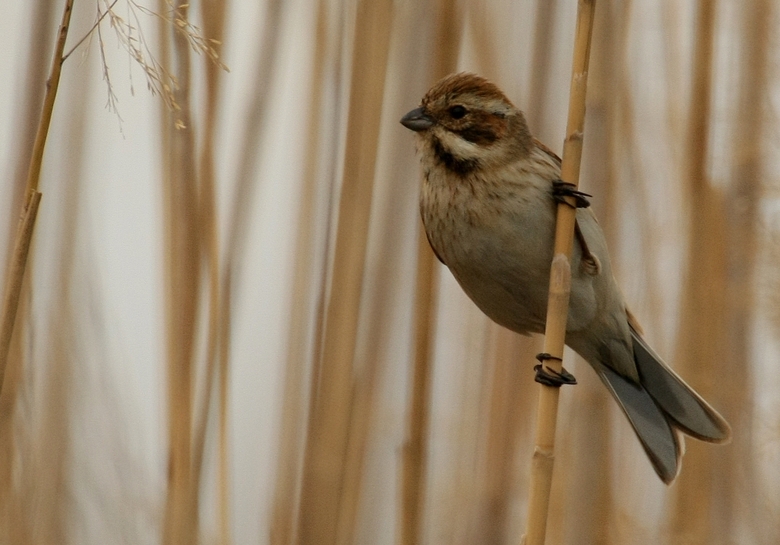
x=458, y=111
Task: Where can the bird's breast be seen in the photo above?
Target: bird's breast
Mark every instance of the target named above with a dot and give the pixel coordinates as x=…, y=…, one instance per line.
x=496, y=240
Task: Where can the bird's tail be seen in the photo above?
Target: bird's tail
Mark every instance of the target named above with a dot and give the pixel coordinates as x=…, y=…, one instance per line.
x=661, y=405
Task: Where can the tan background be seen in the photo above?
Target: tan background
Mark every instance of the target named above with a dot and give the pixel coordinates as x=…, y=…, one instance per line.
x=259, y=273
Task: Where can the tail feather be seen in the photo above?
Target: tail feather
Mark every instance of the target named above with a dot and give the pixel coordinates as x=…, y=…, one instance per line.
x=661, y=406
x=687, y=409
x=660, y=440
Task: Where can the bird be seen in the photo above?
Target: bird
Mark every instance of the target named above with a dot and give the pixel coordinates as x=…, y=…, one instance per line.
x=488, y=202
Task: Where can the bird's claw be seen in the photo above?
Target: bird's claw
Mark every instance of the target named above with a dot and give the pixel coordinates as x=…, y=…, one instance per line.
x=562, y=189
x=550, y=377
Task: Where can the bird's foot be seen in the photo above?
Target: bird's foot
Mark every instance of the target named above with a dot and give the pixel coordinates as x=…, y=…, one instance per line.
x=562, y=189
x=550, y=377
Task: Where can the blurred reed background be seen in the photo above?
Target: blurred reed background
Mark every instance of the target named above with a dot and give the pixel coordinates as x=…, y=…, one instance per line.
x=232, y=331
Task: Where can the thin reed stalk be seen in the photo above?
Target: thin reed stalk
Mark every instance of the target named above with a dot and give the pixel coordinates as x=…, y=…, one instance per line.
x=509, y=401
x=16, y=275
x=18, y=263
x=216, y=367
x=560, y=283
x=48, y=471
x=304, y=287
x=582, y=490
x=415, y=453
x=180, y=524
x=236, y=240
x=413, y=474
x=322, y=493
x=30, y=96
x=239, y=219
x=541, y=64
x=16, y=528
x=744, y=194
x=701, y=342
x=223, y=438
x=28, y=101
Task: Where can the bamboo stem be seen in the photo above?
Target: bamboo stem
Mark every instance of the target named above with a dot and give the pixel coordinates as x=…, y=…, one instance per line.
x=24, y=234
x=560, y=283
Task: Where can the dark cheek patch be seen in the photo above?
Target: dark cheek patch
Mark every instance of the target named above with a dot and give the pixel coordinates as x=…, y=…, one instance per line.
x=484, y=129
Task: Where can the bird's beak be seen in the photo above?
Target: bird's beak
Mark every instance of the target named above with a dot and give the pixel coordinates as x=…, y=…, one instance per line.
x=417, y=120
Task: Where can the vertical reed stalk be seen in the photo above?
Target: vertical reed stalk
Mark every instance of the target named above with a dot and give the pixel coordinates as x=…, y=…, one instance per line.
x=737, y=478
x=48, y=472
x=180, y=525
x=541, y=63
x=560, y=282
x=223, y=466
x=329, y=429
x=305, y=287
x=510, y=400
x=414, y=453
x=217, y=329
x=18, y=263
x=28, y=99
x=245, y=184
x=14, y=528
x=413, y=475
x=701, y=342
x=582, y=490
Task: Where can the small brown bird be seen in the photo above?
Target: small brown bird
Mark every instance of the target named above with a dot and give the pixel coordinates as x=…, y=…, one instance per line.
x=488, y=203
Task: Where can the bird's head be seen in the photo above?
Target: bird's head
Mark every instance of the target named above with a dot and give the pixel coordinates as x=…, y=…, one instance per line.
x=465, y=123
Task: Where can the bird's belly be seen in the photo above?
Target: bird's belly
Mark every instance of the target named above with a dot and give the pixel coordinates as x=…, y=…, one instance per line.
x=505, y=273
x=503, y=264
x=518, y=309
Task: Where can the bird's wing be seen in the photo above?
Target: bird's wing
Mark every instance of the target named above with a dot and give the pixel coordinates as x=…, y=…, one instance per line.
x=634, y=323
x=548, y=151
